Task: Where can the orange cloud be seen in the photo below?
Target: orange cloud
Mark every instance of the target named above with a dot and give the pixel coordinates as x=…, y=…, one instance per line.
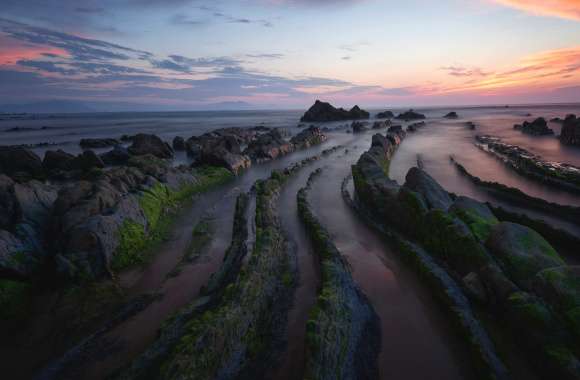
x=550, y=69
x=561, y=8
x=12, y=51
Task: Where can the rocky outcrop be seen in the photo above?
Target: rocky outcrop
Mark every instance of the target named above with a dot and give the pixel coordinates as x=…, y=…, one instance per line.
x=119, y=155
x=538, y=127
x=561, y=175
x=410, y=115
x=381, y=124
x=451, y=115
x=150, y=144
x=570, y=134
x=21, y=162
x=385, y=115
x=322, y=111
x=359, y=126
x=342, y=332
x=268, y=146
x=98, y=143
x=309, y=137
x=415, y=126
x=496, y=261
x=178, y=143
x=57, y=160
x=86, y=161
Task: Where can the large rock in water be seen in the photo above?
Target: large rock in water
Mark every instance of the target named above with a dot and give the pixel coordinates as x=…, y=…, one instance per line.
x=410, y=115
x=150, y=144
x=385, y=115
x=118, y=156
x=422, y=183
x=268, y=146
x=538, y=127
x=521, y=252
x=218, y=150
x=570, y=134
x=57, y=160
x=19, y=161
x=359, y=127
x=98, y=143
x=322, y=111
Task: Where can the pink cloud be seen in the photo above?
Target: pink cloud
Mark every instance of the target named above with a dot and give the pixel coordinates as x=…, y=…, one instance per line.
x=569, y=9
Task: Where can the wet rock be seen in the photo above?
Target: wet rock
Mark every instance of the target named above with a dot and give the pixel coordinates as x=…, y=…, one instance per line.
x=538, y=127
x=560, y=287
x=421, y=182
x=178, y=143
x=451, y=115
x=86, y=161
x=98, y=143
x=475, y=287
x=150, y=144
x=358, y=126
x=522, y=252
x=410, y=115
x=57, y=160
x=415, y=126
x=322, y=111
x=385, y=115
x=268, y=146
x=118, y=156
x=308, y=137
x=18, y=161
x=570, y=134
x=381, y=124
x=476, y=215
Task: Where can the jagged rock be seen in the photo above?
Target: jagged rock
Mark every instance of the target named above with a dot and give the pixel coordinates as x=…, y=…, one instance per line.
x=381, y=124
x=322, y=111
x=98, y=143
x=570, y=134
x=358, y=126
x=178, y=143
x=150, y=144
x=118, y=156
x=421, y=182
x=86, y=161
x=57, y=160
x=451, y=115
x=385, y=115
x=268, y=146
x=538, y=127
x=19, y=161
x=522, y=252
x=308, y=137
x=410, y=115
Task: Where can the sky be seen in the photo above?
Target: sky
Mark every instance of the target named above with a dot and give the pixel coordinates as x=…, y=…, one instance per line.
x=284, y=54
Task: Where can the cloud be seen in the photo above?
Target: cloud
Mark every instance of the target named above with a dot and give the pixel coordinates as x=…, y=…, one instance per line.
x=266, y=56
x=218, y=14
x=459, y=71
x=569, y=9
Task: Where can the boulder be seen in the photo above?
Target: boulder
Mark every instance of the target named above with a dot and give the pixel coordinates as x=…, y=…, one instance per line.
x=570, y=134
x=150, y=144
x=410, y=115
x=358, y=126
x=19, y=161
x=475, y=287
x=178, y=143
x=381, y=124
x=98, y=143
x=57, y=160
x=413, y=127
x=17, y=262
x=521, y=252
x=385, y=115
x=86, y=161
x=118, y=156
x=476, y=215
x=267, y=146
x=321, y=111
x=422, y=183
x=235, y=163
x=451, y=115
x=309, y=137
x=538, y=127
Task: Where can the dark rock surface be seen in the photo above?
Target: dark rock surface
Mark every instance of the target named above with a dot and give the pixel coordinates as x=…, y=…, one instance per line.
x=359, y=126
x=538, y=127
x=415, y=126
x=178, y=143
x=410, y=115
x=268, y=146
x=322, y=111
x=451, y=115
x=98, y=143
x=86, y=161
x=20, y=161
x=309, y=137
x=150, y=144
x=422, y=183
x=57, y=160
x=385, y=115
x=570, y=134
x=381, y=124
x=119, y=155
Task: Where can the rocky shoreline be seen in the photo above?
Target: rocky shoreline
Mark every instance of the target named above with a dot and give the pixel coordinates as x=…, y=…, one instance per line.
x=504, y=268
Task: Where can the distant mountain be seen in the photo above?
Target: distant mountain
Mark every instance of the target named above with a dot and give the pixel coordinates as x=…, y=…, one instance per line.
x=49, y=106
x=229, y=106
